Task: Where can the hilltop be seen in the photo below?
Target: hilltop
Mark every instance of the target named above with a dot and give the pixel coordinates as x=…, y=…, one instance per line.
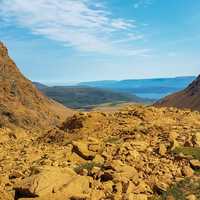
x=187, y=98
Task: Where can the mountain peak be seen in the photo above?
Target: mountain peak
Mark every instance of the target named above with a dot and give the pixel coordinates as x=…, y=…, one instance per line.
x=3, y=50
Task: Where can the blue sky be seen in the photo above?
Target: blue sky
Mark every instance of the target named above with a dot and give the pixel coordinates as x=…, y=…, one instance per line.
x=67, y=41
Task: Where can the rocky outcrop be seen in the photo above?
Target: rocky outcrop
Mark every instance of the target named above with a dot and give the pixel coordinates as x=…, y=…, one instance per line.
x=21, y=104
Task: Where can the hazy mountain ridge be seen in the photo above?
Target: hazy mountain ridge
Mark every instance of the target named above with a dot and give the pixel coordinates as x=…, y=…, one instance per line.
x=147, y=88
x=86, y=97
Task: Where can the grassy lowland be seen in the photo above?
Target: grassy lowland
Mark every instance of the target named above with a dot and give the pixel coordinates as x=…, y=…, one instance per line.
x=83, y=97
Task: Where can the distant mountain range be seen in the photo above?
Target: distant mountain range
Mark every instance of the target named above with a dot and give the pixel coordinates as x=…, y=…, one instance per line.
x=145, y=88
x=84, y=97
x=87, y=95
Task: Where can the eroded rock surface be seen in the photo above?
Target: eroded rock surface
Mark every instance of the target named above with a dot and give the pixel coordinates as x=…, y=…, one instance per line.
x=129, y=154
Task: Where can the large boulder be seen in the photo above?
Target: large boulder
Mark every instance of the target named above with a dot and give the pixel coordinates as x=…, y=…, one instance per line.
x=123, y=171
x=54, y=181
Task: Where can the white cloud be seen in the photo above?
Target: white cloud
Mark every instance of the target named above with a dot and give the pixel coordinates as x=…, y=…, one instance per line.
x=121, y=24
x=83, y=24
x=130, y=37
x=142, y=3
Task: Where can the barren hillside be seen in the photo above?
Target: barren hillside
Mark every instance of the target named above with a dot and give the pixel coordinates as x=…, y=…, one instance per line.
x=21, y=104
x=188, y=98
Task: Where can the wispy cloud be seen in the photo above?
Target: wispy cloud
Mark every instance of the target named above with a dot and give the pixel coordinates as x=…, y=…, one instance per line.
x=142, y=3
x=122, y=24
x=129, y=38
x=86, y=25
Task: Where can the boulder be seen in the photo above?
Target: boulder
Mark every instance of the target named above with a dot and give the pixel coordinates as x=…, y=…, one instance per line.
x=16, y=174
x=187, y=171
x=174, y=145
x=191, y=197
x=142, y=187
x=97, y=195
x=134, y=154
x=130, y=187
x=98, y=159
x=195, y=164
x=196, y=139
x=170, y=197
x=140, y=145
x=108, y=186
x=161, y=186
x=5, y=195
x=162, y=149
x=173, y=135
x=124, y=170
x=52, y=180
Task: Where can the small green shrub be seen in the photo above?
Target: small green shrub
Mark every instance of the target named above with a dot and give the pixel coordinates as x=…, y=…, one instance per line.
x=181, y=190
x=188, y=151
x=89, y=166
x=113, y=140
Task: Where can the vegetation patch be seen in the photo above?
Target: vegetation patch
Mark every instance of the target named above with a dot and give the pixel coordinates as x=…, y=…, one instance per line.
x=88, y=166
x=188, y=151
x=181, y=190
x=113, y=140
x=82, y=97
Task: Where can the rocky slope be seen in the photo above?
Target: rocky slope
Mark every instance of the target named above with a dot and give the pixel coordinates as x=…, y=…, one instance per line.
x=21, y=104
x=188, y=98
x=130, y=154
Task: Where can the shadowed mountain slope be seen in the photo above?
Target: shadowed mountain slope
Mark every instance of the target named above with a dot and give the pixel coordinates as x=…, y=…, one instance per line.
x=187, y=98
x=21, y=104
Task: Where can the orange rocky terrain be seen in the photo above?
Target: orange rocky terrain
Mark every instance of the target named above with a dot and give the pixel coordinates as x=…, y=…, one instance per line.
x=134, y=153
x=21, y=104
x=129, y=154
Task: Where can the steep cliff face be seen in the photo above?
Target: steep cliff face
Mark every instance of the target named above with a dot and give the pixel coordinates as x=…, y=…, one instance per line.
x=21, y=104
x=188, y=98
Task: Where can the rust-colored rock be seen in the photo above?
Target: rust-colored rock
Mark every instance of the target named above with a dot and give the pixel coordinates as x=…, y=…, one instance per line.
x=21, y=104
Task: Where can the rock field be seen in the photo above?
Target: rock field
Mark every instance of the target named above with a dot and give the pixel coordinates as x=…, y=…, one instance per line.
x=136, y=153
